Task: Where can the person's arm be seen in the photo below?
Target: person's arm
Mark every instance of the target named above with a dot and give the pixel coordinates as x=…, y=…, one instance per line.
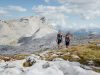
x=62, y=37
x=56, y=39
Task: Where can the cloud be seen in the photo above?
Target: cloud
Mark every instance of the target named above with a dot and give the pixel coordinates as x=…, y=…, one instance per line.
x=71, y=9
x=5, y=11
x=53, y=14
x=17, y=8
x=57, y=14
x=91, y=14
x=88, y=9
x=2, y=12
x=42, y=9
x=45, y=9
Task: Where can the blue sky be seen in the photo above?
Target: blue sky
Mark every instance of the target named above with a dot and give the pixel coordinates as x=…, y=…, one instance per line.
x=67, y=13
x=27, y=4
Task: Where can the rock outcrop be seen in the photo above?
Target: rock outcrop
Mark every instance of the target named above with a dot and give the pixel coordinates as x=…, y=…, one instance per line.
x=33, y=27
x=26, y=35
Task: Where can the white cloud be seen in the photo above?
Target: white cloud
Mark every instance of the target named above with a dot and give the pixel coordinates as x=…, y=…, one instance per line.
x=5, y=11
x=57, y=14
x=54, y=15
x=17, y=8
x=43, y=9
x=72, y=9
x=2, y=12
x=88, y=9
x=91, y=14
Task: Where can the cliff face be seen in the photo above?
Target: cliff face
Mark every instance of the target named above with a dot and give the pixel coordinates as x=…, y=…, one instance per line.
x=35, y=27
x=26, y=35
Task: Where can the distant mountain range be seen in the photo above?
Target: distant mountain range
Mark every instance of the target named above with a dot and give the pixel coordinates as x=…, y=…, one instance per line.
x=84, y=32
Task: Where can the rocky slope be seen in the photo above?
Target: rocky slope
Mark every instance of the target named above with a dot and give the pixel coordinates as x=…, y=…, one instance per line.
x=34, y=27
x=41, y=67
x=26, y=35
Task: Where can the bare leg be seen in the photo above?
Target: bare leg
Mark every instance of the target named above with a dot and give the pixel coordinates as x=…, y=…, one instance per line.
x=59, y=46
x=67, y=46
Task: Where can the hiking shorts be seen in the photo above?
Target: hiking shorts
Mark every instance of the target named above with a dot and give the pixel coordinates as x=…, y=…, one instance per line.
x=67, y=43
x=59, y=41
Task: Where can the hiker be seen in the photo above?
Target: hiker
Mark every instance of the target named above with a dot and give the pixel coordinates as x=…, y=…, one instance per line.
x=59, y=40
x=67, y=39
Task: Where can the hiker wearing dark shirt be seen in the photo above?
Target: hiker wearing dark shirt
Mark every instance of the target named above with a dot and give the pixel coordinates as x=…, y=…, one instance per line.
x=67, y=39
x=59, y=40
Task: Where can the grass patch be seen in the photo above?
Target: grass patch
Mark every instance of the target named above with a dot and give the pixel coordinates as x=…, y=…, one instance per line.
x=14, y=57
x=20, y=56
x=80, y=53
x=28, y=64
x=94, y=47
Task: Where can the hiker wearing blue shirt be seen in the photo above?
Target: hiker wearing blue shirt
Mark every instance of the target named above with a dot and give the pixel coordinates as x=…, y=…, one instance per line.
x=59, y=39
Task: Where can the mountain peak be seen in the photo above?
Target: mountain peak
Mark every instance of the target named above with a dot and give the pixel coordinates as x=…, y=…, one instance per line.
x=12, y=30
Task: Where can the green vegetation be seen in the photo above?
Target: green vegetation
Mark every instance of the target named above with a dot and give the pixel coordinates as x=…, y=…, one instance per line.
x=27, y=64
x=81, y=53
x=97, y=70
x=85, y=54
x=13, y=57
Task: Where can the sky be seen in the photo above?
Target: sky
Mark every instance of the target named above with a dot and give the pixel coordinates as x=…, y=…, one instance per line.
x=68, y=14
